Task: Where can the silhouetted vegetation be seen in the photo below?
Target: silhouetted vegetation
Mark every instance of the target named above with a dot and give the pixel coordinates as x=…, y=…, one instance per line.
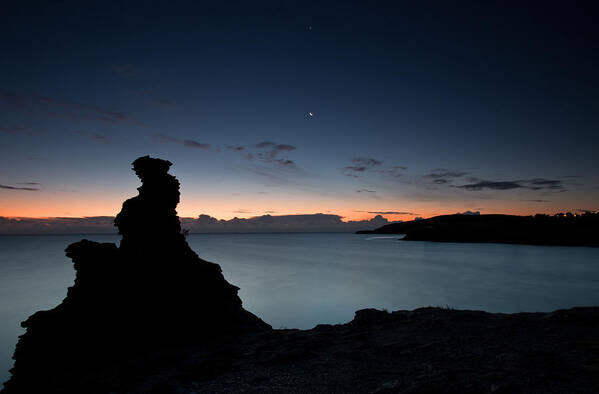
x=566, y=229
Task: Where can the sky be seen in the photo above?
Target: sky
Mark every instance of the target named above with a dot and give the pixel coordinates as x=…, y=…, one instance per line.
x=353, y=109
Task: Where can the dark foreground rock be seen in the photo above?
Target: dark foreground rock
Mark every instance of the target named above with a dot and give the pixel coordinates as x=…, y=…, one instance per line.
x=558, y=230
x=151, y=292
x=150, y=316
x=429, y=350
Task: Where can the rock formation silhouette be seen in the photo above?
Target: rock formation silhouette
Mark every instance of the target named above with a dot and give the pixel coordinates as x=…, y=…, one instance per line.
x=152, y=291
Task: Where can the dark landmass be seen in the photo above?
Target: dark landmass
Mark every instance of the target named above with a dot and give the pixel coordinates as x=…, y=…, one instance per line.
x=428, y=350
x=150, y=316
x=560, y=230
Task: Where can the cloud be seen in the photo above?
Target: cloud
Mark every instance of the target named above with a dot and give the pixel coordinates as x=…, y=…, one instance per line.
x=274, y=146
x=538, y=200
x=94, y=136
x=12, y=129
x=242, y=211
x=355, y=169
x=442, y=176
x=470, y=213
x=99, y=112
x=283, y=162
x=542, y=183
x=273, y=175
x=31, y=189
x=202, y=224
x=196, y=144
x=267, y=152
x=532, y=184
x=165, y=139
x=389, y=212
x=365, y=191
x=445, y=175
x=366, y=162
x=318, y=222
x=59, y=225
x=81, y=110
x=395, y=171
x=361, y=164
x=501, y=185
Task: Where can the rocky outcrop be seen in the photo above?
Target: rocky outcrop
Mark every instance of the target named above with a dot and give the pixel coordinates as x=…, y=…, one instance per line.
x=424, y=351
x=152, y=292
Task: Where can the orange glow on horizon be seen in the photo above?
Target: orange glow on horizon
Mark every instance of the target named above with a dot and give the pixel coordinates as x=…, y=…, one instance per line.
x=33, y=213
x=39, y=205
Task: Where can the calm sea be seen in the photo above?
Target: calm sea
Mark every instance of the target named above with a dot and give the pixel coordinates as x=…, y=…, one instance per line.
x=300, y=280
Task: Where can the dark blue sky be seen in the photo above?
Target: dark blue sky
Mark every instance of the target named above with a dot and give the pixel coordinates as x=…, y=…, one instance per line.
x=425, y=109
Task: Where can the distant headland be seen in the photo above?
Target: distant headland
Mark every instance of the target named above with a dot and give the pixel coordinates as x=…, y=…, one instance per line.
x=564, y=229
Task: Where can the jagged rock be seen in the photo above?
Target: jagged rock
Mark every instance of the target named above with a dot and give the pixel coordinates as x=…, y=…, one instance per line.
x=151, y=292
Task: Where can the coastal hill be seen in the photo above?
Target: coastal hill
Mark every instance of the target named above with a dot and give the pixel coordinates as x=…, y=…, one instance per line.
x=150, y=316
x=562, y=229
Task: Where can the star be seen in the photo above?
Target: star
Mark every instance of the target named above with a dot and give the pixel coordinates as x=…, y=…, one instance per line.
x=310, y=114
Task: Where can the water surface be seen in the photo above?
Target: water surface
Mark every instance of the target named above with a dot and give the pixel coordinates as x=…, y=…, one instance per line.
x=300, y=280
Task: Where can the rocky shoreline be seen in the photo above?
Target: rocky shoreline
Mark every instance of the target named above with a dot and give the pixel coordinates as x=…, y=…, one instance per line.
x=427, y=350
x=150, y=316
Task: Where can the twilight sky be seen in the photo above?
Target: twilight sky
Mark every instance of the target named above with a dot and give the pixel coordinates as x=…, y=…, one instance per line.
x=416, y=110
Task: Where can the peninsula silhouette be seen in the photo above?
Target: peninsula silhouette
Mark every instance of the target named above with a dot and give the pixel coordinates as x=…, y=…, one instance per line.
x=565, y=229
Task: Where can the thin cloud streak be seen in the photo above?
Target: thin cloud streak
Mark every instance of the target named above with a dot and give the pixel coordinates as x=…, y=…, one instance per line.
x=388, y=212
x=81, y=110
x=7, y=187
x=532, y=184
x=165, y=139
x=13, y=129
x=267, y=152
x=94, y=137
